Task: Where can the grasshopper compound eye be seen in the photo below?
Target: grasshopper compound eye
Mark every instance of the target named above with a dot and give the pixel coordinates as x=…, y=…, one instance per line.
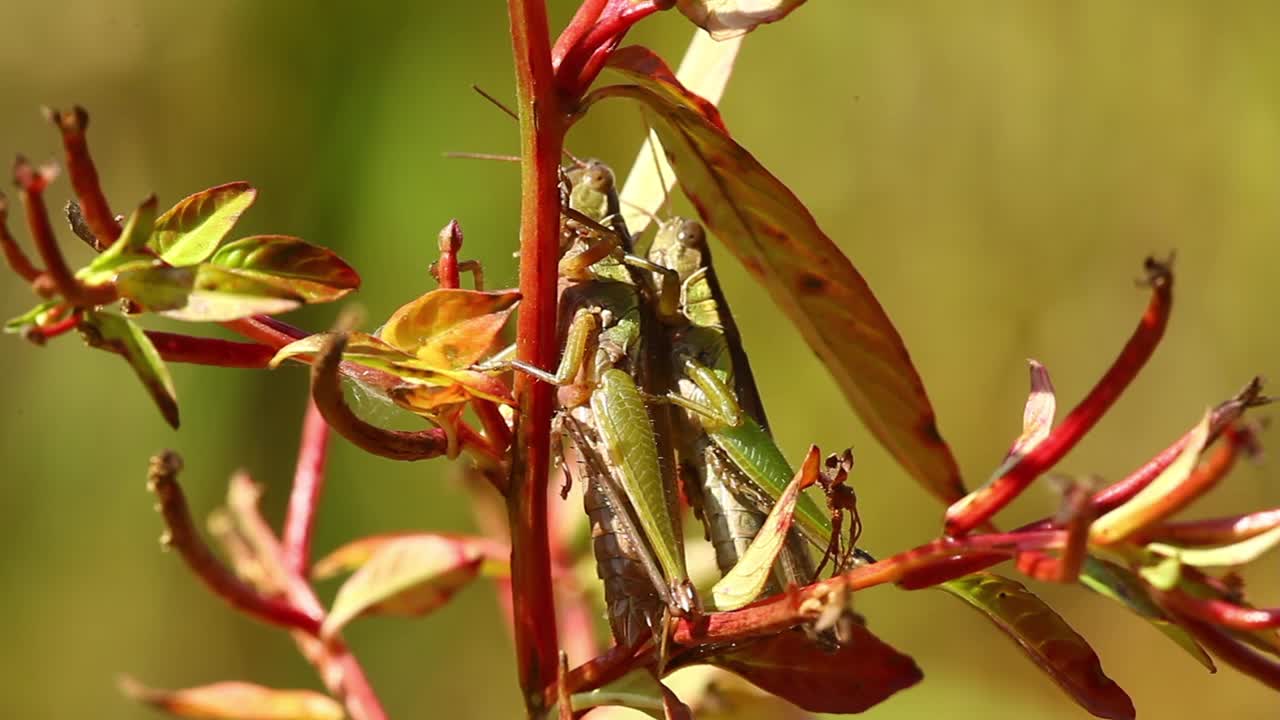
x=691, y=234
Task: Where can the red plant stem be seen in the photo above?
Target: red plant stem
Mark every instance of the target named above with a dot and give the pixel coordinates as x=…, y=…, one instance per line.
x=789, y=609
x=84, y=176
x=1234, y=652
x=60, y=327
x=495, y=427
x=446, y=268
x=338, y=668
x=583, y=20
x=601, y=670
x=583, y=62
x=32, y=184
x=182, y=536
x=1220, y=612
x=1217, y=531
x=266, y=330
x=308, y=483
x=18, y=261
x=176, y=347
x=326, y=391
x=982, y=504
x=542, y=130
x=1077, y=515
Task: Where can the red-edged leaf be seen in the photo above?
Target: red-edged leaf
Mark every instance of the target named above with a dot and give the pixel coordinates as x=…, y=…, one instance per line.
x=780, y=243
x=355, y=554
x=450, y=328
x=236, y=701
x=730, y=18
x=361, y=348
x=218, y=294
x=745, y=580
x=316, y=274
x=190, y=231
x=1047, y=640
x=861, y=674
x=102, y=329
x=407, y=576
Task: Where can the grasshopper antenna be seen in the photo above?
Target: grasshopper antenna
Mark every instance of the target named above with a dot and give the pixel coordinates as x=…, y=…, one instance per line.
x=504, y=108
x=651, y=140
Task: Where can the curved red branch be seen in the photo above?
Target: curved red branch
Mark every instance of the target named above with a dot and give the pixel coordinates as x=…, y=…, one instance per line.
x=84, y=176
x=304, y=498
x=982, y=504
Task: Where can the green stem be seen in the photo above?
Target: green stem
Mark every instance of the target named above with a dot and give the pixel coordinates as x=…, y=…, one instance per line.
x=542, y=130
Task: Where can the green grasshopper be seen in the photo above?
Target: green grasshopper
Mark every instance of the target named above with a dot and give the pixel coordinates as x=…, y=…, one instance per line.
x=605, y=323
x=727, y=448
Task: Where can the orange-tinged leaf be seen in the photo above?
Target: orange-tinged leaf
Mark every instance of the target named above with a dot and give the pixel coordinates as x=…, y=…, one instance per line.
x=1143, y=508
x=780, y=243
x=1046, y=639
x=361, y=348
x=859, y=675
x=236, y=701
x=190, y=231
x=725, y=19
x=316, y=274
x=450, y=328
x=746, y=579
x=355, y=554
x=704, y=71
x=407, y=576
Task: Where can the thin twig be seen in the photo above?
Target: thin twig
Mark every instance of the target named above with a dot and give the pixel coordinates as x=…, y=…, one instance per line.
x=61, y=279
x=84, y=176
x=183, y=537
x=308, y=483
x=18, y=261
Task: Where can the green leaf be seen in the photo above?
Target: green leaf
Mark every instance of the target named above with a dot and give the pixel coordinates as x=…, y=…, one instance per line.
x=1046, y=639
x=157, y=287
x=811, y=280
x=316, y=274
x=1112, y=581
x=190, y=231
x=857, y=676
x=362, y=348
x=218, y=294
x=725, y=19
x=35, y=317
x=127, y=251
x=1241, y=553
x=1162, y=572
x=450, y=328
x=405, y=576
x=746, y=579
x=236, y=701
x=119, y=334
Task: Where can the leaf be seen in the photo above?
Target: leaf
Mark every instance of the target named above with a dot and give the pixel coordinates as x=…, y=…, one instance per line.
x=1164, y=573
x=218, y=294
x=314, y=273
x=704, y=71
x=355, y=554
x=127, y=250
x=725, y=19
x=189, y=232
x=1037, y=419
x=102, y=329
x=780, y=243
x=1142, y=509
x=1241, y=553
x=1117, y=583
x=450, y=328
x=236, y=701
x=406, y=576
x=157, y=287
x=859, y=675
x=362, y=348
x=637, y=690
x=1046, y=639
x=714, y=693
x=35, y=317
x=746, y=579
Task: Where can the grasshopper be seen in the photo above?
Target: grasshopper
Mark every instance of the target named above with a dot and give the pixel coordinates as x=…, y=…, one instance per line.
x=606, y=323
x=727, y=449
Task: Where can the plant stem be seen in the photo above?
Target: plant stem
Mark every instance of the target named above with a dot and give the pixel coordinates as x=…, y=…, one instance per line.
x=304, y=499
x=541, y=140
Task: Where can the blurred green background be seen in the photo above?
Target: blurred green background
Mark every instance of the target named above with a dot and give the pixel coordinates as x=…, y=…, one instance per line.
x=997, y=175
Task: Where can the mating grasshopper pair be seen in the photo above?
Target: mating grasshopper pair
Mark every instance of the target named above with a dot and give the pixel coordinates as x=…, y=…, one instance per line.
x=640, y=335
